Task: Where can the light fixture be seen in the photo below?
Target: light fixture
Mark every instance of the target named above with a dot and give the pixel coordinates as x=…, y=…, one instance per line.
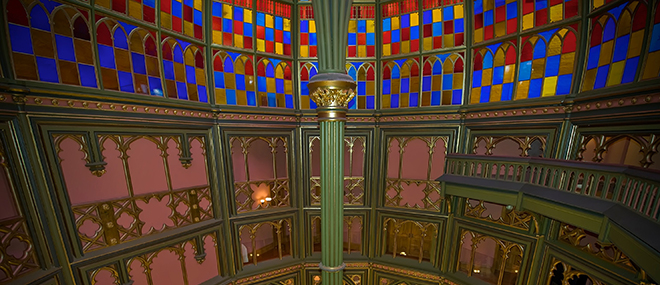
x=403, y=253
x=267, y=199
x=515, y=271
x=476, y=270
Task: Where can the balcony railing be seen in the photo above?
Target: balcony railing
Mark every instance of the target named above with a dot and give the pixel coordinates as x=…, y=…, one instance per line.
x=634, y=187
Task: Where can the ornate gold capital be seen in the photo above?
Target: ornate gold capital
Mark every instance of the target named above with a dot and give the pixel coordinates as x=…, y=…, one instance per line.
x=332, y=93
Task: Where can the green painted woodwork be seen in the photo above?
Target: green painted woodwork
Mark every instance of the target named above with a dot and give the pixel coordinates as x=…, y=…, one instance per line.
x=332, y=200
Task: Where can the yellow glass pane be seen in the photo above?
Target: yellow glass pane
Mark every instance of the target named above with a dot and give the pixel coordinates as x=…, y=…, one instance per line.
x=487, y=77
x=589, y=79
x=624, y=24
x=312, y=27
x=217, y=37
x=500, y=29
x=566, y=63
x=247, y=15
x=652, y=68
x=135, y=9
x=414, y=19
x=371, y=26
x=509, y=73
x=554, y=47
x=352, y=26
x=635, y=47
x=304, y=102
x=549, y=86
x=448, y=40
x=238, y=41
x=458, y=81
x=496, y=93
x=241, y=98
x=230, y=81
x=616, y=73
x=428, y=43
x=598, y=3
x=478, y=35
x=538, y=68
x=188, y=28
x=270, y=84
x=386, y=50
x=287, y=25
x=220, y=97
x=395, y=23
x=606, y=53
x=437, y=15
x=476, y=94
x=556, y=13
x=279, y=48
x=523, y=90
x=362, y=51
x=528, y=21
x=165, y=20
x=386, y=101
x=304, y=51
x=200, y=75
x=227, y=12
x=198, y=5
x=261, y=45
x=269, y=21
x=288, y=87
x=458, y=11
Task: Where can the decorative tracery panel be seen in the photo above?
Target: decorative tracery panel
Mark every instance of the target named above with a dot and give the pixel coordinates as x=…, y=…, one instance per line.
x=588, y=242
x=491, y=259
x=410, y=239
x=147, y=186
x=628, y=149
x=17, y=249
x=353, y=227
x=261, y=177
x=413, y=165
x=354, y=167
x=500, y=214
x=264, y=241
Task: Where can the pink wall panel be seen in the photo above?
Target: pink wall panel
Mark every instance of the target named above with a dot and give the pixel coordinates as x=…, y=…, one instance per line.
x=438, y=159
x=316, y=158
x=358, y=159
x=147, y=167
x=281, y=160
x=466, y=248
x=166, y=268
x=137, y=273
x=238, y=162
x=260, y=161
x=105, y=277
x=7, y=207
x=155, y=214
x=393, y=159
x=181, y=177
x=198, y=273
x=84, y=187
x=507, y=147
x=413, y=194
x=415, y=160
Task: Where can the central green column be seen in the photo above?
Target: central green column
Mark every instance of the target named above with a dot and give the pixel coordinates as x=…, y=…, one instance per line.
x=332, y=89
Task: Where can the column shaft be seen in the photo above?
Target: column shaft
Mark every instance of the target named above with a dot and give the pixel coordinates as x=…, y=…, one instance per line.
x=332, y=200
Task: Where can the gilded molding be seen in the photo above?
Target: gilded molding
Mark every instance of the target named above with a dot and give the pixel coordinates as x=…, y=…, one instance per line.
x=332, y=93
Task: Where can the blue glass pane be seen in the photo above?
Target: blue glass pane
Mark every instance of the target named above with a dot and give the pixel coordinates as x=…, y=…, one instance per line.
x=21, y=41
x=106, y=56
x=507, y=91
x=217, y=9
x=39, y=19
x=610, y=30
x=227, y=25
x=394, y=101
x=288, y=101
x=414, y=32
x=511, y=10
x=476, y=78
x=201, y=94
x=525, y=70
x=405, y=21
x=405, y=85
x=564, y=84
x=261, y=19
x=150, y=3
x=448, y=13
x=230, y=95
x=459, y=25
x=655, y=38
x=436, y=97
x=247, y=29
x=238, y=14
x=190, y=74
x=447, y=81
x=498, y=75
x=47, y=69
x=181, y=90
x=630, y=69
x=176, y=8
x=272, y=100
x=261, y=83
x=156, y=86
x=426, y=83
x=371, y=102
x=168, y=68
x=125, y=81
x=594, y=56
x=278, y=23
x=456, y=97
x=240, y=81
x=488, y=18
x=386, y=86
x=139, y=66
x=539, y=49
x=178, y=54
x=621, y=48
x=387, y=23
x=488, y=61
x=601, y=76
x=485, y=94
x=197, y=17
x=87, y=75
x=251, y=98
x=279, y=86
x=535, y=88
x=219, y=77
x=413, y=100
x=120, y=39
x=65, y=49
x=552, y=65
x=362, y=26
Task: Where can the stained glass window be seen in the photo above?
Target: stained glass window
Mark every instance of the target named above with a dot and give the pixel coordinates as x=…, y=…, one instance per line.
x=364, y=75
x=615, y=45
x=138, y=9
x=234, y=79
x=275, y=88
x=184, y=17
x=307, y=32
x=494, y=69
x=541, y=12
x=652, y=69
x=39, y=49
x=495, y=18
x=547, y=63
x=362, y=32
x=400, y=27
x=129, y=58
x=274, y=27
x=442, y=80
x=307, y=71
x=443, y=26
x=400, y=83
x=599, y=3
x=183, y=67
x=232, y=25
